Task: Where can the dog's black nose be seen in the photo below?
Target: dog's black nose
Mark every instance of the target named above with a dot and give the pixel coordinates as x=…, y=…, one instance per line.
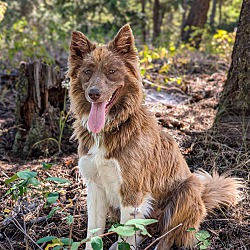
x=94, y=94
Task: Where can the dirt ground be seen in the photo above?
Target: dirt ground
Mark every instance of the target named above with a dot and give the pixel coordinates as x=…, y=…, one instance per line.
x=188, y=116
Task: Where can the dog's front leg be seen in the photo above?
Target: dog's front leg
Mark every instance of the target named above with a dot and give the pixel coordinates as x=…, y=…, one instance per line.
x=128, y=213
x=97, y=209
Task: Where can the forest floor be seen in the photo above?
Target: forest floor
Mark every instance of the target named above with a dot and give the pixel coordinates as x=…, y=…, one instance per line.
x=186, y=111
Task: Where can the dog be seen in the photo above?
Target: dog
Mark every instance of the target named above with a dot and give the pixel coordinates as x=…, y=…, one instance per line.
x=128, y=162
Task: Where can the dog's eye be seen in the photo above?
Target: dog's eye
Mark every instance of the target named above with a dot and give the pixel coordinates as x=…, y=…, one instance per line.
x=87, y=71
x=111, y=71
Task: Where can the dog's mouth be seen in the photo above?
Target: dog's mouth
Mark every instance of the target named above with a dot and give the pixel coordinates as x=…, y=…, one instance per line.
x=99, y=110
x=112, y=100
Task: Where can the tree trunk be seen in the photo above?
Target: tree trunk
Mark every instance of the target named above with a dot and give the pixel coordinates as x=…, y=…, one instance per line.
x=143, y=25
x=158, y=16
x=212, y=16
x=156, y=19
x=234, y=107
x=220, y=11
x=40, y=104
x=184, y=14
x=195, y=22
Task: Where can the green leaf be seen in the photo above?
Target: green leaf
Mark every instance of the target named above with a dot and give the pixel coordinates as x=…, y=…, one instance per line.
x=52, y=212
x=9, y=191
x=84, y=241
x=26, y=174
x=143, y=222
x=58, y=180
x=96, y=243
x=75, y=245
x=143, y=71
x=33, y=181
x=14, y=196
x=202, y=235
x=207, y=243
x=203, y=247
x=11, y=179
x=95, y=230
x=66, y=241
x=143, y=230
x=52, y=197
x=158, y=89
x=164, y=68
x=69, y=219
x=47, y=165
x=57, y=248
x=22, y=190
x=23, y=183
x=191, y=229
x=123, y=230
x=123, y=246
x=46, y=239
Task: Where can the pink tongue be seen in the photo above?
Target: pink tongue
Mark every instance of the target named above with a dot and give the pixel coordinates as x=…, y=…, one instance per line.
x=97, y=117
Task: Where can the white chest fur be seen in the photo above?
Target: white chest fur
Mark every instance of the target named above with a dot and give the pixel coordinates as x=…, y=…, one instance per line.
x=104, y=172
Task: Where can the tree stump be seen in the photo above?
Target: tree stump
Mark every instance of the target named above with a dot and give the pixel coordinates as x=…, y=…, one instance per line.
x=40, y=109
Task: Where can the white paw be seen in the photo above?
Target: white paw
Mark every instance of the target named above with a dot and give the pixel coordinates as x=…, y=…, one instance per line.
x=88, y=246
x=114, y=246
x=156, y=247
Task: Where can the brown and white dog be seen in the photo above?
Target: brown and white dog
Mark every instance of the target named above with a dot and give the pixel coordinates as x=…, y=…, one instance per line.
x=128, y=162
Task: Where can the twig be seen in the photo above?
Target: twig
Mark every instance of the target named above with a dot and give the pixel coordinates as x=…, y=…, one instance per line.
x=8, y=241
x=2, y=172
x=106, y=234
x=16, y=223
x=24, y=226
x=101, y=235
x=162, y=236
x=13, y=127
x=71, y=225
x=219, y=220
x=37, y=220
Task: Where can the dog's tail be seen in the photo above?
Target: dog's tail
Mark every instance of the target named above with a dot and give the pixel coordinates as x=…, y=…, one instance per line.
x=219, y=190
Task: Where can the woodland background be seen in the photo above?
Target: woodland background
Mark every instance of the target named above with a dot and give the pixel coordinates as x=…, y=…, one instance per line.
x=41, y=29
x=185, y=49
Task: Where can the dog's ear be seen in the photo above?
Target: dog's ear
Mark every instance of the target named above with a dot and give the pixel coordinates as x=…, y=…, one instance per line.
x=80, y=45
x=123, y=42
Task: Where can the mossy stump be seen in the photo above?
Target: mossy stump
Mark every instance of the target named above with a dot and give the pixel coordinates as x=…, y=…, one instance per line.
x=39, y=104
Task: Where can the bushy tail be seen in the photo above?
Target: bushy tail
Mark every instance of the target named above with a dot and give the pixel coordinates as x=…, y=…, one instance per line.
x=220, y=190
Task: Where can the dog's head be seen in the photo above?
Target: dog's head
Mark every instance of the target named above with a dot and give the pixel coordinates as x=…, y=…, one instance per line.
x=105, y=79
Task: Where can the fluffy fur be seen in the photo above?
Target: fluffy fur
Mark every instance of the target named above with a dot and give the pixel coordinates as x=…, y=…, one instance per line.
x=131, y=165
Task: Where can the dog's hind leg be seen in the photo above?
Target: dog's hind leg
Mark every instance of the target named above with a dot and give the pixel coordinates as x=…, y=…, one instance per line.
x=183, y=205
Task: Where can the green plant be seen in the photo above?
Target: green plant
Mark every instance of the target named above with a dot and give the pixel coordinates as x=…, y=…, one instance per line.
x=130, y=228
x=3, y=8
x=203, y=238
x=32, y=183
x=147, y=56
x=25, y=178
x=223, y=41
x=220, y=43
x=63, y=115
